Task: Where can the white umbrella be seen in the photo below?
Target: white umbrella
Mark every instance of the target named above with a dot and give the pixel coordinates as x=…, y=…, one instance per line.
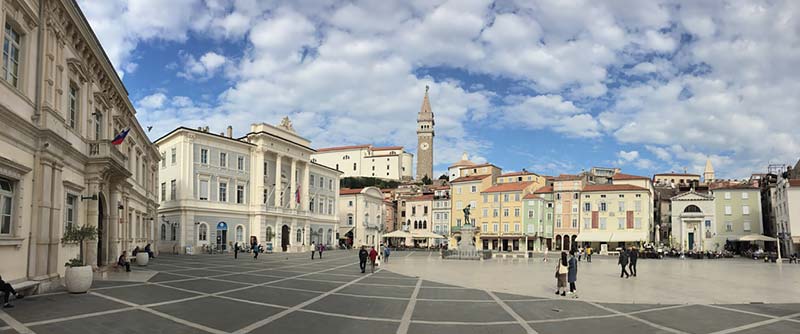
x=757, y=237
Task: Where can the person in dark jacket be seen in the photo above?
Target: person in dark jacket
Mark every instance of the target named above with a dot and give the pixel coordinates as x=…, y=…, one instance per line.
x=149, y=251
x=320, y=249
x=572, y=274
x=236, y=250
x=124, y=262
x=135, y=251
x=254, y=246
x=623, y=262
x=634, y=255
x=362, y=259
x=7, y=291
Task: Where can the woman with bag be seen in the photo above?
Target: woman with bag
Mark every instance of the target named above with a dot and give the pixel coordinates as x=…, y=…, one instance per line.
x=572, y=274
x=561, y=274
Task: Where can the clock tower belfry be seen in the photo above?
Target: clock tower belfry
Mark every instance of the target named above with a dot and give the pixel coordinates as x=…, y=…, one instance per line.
x=425, y=139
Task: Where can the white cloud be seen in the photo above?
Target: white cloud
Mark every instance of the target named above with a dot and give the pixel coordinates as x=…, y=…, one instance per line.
x=549, y=111
x=204, y=68
x=153, y=101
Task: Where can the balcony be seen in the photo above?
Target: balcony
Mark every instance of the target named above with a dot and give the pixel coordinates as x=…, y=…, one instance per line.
x=106, y=157
x=285, y=211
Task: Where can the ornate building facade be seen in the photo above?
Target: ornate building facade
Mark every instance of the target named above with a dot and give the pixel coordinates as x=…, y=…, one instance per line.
x=61, y=103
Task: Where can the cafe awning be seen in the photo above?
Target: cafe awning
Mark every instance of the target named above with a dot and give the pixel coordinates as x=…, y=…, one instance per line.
x=343, y=230
x=425, y=235
x=594, y=236
x=756, y=237
x=397, y=234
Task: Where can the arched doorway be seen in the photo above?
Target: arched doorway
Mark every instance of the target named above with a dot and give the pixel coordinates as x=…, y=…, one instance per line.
x=567, y=244
x=575, y=241
x=558, y=243
x=101, y=204
x=285, y=238
x=222, y=235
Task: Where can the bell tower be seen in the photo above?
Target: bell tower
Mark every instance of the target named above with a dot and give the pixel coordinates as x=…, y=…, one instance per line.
x=425, y=139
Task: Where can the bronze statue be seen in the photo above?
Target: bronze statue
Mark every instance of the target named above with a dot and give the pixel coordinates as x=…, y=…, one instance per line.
x=466, y=215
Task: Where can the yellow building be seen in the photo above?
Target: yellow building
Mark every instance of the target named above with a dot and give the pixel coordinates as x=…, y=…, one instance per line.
x=500, y=214
x=466, y=191
x=615, y=216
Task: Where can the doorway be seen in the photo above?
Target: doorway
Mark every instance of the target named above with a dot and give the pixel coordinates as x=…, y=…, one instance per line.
x=101, y=203
x=505, y=245
x=691, y=240
x=222, y=235
x=285, y=238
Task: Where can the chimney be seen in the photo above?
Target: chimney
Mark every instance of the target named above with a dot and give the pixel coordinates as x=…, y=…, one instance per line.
x=229, y=132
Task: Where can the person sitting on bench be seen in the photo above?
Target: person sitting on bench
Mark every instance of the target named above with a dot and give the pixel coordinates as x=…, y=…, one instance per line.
x=149, y=252
x=123, y=261
x=7, y=291
x=135, y=251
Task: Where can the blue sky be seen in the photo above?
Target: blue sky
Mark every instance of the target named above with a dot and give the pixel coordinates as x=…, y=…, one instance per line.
x=554, y=87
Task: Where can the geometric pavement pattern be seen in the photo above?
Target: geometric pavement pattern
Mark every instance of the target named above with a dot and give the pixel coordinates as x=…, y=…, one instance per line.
x=289, y=293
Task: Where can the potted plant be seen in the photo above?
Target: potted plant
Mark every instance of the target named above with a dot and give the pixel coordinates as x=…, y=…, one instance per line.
x=78, y=276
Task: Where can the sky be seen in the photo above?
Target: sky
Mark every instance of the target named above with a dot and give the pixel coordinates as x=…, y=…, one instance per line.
x=549, y=86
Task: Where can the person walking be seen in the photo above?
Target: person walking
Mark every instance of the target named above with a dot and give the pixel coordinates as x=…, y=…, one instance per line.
x=373, y=258
x=580, y=253
x=8, y=291
x=124, y=262
x=546, y=250
x=589, y=254
x=254, y=247
x=386, y=253
x=634, y=255
x=236, y=250
x=313, y=249
x=561, y=274
x=572, y=274
x=362, y=259
x=321, y=248
x=623, y=262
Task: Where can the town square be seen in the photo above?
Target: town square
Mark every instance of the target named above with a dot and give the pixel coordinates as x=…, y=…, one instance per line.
x=446, y=166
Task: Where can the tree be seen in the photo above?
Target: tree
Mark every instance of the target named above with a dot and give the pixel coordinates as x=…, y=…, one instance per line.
x=444, y=177
x=78, y=235
x=361, y=182
x=426, y=180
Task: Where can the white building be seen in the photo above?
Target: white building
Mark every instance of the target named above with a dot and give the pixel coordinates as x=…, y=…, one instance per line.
x=454, y=171
x=441, y=212
x=58, y=167
x=216, y=190
x=390, y=162
x=693, y=221
x=360, y=213
x=787, y=214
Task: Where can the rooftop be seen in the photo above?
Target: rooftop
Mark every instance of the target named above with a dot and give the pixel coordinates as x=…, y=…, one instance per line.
x=524, y=172
x=505, y=187
x=567, y=177
x=420, y=198
x=612, y=187
x=350, y=191
x=341, y=148
x=676, y=174
x=545, y=189
x=623, y=176
x=470, y=178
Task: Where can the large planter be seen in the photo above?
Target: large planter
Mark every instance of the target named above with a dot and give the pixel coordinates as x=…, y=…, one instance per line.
x=142, y=258
x=78, y=279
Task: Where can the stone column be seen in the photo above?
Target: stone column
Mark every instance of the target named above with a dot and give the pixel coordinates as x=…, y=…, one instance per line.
x=307, y=235
x=113, y=225
x=304, y=187
x=278, y=186
x=40, y=228
x=293, y=234
x=56, y=216
x=90, y=247
x=293, y=185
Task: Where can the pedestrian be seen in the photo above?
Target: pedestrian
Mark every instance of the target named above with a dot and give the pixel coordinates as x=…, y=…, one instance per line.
x=580, y=253
x=386, y=253
x=124, y=262
x=572, y=274
x=7, y=291
x=149, y=251
x=313, y=249
x=373, y=258
x=236, y=250
x=362, y=259
x=254, y=246
x=634, y=255
x=546, y=249
x=623, y=262
x=589, y=254
x=561, y=274
x=321, y=249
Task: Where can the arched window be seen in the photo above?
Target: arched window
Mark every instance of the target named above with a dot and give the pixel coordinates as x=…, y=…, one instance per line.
x=202, y=235
x=174, y=232
x=350, y=219
x=416, y=224
x=692, y=209
x=163, y=232
x=424, y=224
x=269, y=234
x=329, y=237
x=240, y=233
x=299, y=235
x=558, y=242
x=366, y=219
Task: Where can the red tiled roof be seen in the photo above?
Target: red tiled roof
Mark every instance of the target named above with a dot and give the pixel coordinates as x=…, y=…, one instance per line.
x=623, y=176
x=440, y=188
x=542, y=190
x=348, y=191
x=794, y=183
x=567, y=177
x=504, y=187
x=387, y=148
x=612, y=187
x=518, y=173
x=676, y=174
x=420, y=198
x=477, y=166
x=340, y=148
x=470, y=178
x=532, y=196
x=387, y=190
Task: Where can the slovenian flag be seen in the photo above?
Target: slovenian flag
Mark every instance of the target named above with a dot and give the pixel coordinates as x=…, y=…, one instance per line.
x=297, y=194
x=120, y=137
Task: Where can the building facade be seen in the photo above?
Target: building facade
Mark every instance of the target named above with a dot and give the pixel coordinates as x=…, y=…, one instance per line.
x=217, y=190
x=387, y=162
x=566, y=192
x=738, y=213
x=675, y=178
x=360, y=211
x=454, y=170
x=500, y=214
x=615, y=215
x=441, y=213
x=538, y=219
x=419, y=218
x=787, y=214
x=693, y=221
x=58, y=167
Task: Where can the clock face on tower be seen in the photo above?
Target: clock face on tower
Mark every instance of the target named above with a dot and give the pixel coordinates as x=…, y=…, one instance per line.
x=423, y=146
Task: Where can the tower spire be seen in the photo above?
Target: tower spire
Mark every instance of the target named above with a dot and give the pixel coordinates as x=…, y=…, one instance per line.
x=425, y=136
x=708, y=173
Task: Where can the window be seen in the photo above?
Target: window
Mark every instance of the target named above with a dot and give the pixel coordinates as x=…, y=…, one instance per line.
x=311, y=205
x=473, y=205
x=299, y=235
x=350, y=203
x=413, y=210
x=163, y=232
x=163, y=159
x=354, y=166
x=312, y=179
x=163, y=191
x=621, y=223
x=495, y=212
x=240, y=163
x=516, y=212
x=240, y=194
x=505, y=197
x=621, y=207
x=708, y=224
x=11, y=55
x=266, y=168
x=321, y=206
x=425, y=210
x=202, y=234
x=549, y=216
x=638, y=206
x=745, y=209
x=602, y=223
x=603, y=206
x=505, y=228
x=745, y=195
x=485, y=227
x=203, y=190
x=587, y=223
x=473, y=189
x=203, y=156
x=223, y=159
x=495, y=227
x=459, y=205
x=727, y=195
x=72, y=120
x=98, y=125
x=240, y=233
x=637, y=223
x=330, y=184
x=747, y=226
x=530, y=213
x=728, y=227
x=587, y=207
x=574, y=222
x=505, y=212
x=621, y=196
x=223, y=191
x=558, y=222
x=173, y=188
x=174, y=155
x=485, y=198
x=349, y=219
x=575, y=196
x=71, y=211
x=558, y=196
x=728, y=210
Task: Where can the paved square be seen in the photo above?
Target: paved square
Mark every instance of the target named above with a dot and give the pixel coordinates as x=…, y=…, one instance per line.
x=280, y=293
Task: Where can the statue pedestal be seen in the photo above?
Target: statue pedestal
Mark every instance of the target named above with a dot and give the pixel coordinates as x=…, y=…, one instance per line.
x=466, y=247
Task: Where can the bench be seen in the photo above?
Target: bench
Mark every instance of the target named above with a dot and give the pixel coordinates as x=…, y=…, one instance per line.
x=25, y=287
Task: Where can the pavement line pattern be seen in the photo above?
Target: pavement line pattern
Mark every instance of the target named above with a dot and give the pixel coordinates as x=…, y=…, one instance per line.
x=283, y=313
x=406, y=320
x=513, y=314
x=652, y=324
x=13, y=323
x=160, y=314
x=749, y=312
x=756, y=324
